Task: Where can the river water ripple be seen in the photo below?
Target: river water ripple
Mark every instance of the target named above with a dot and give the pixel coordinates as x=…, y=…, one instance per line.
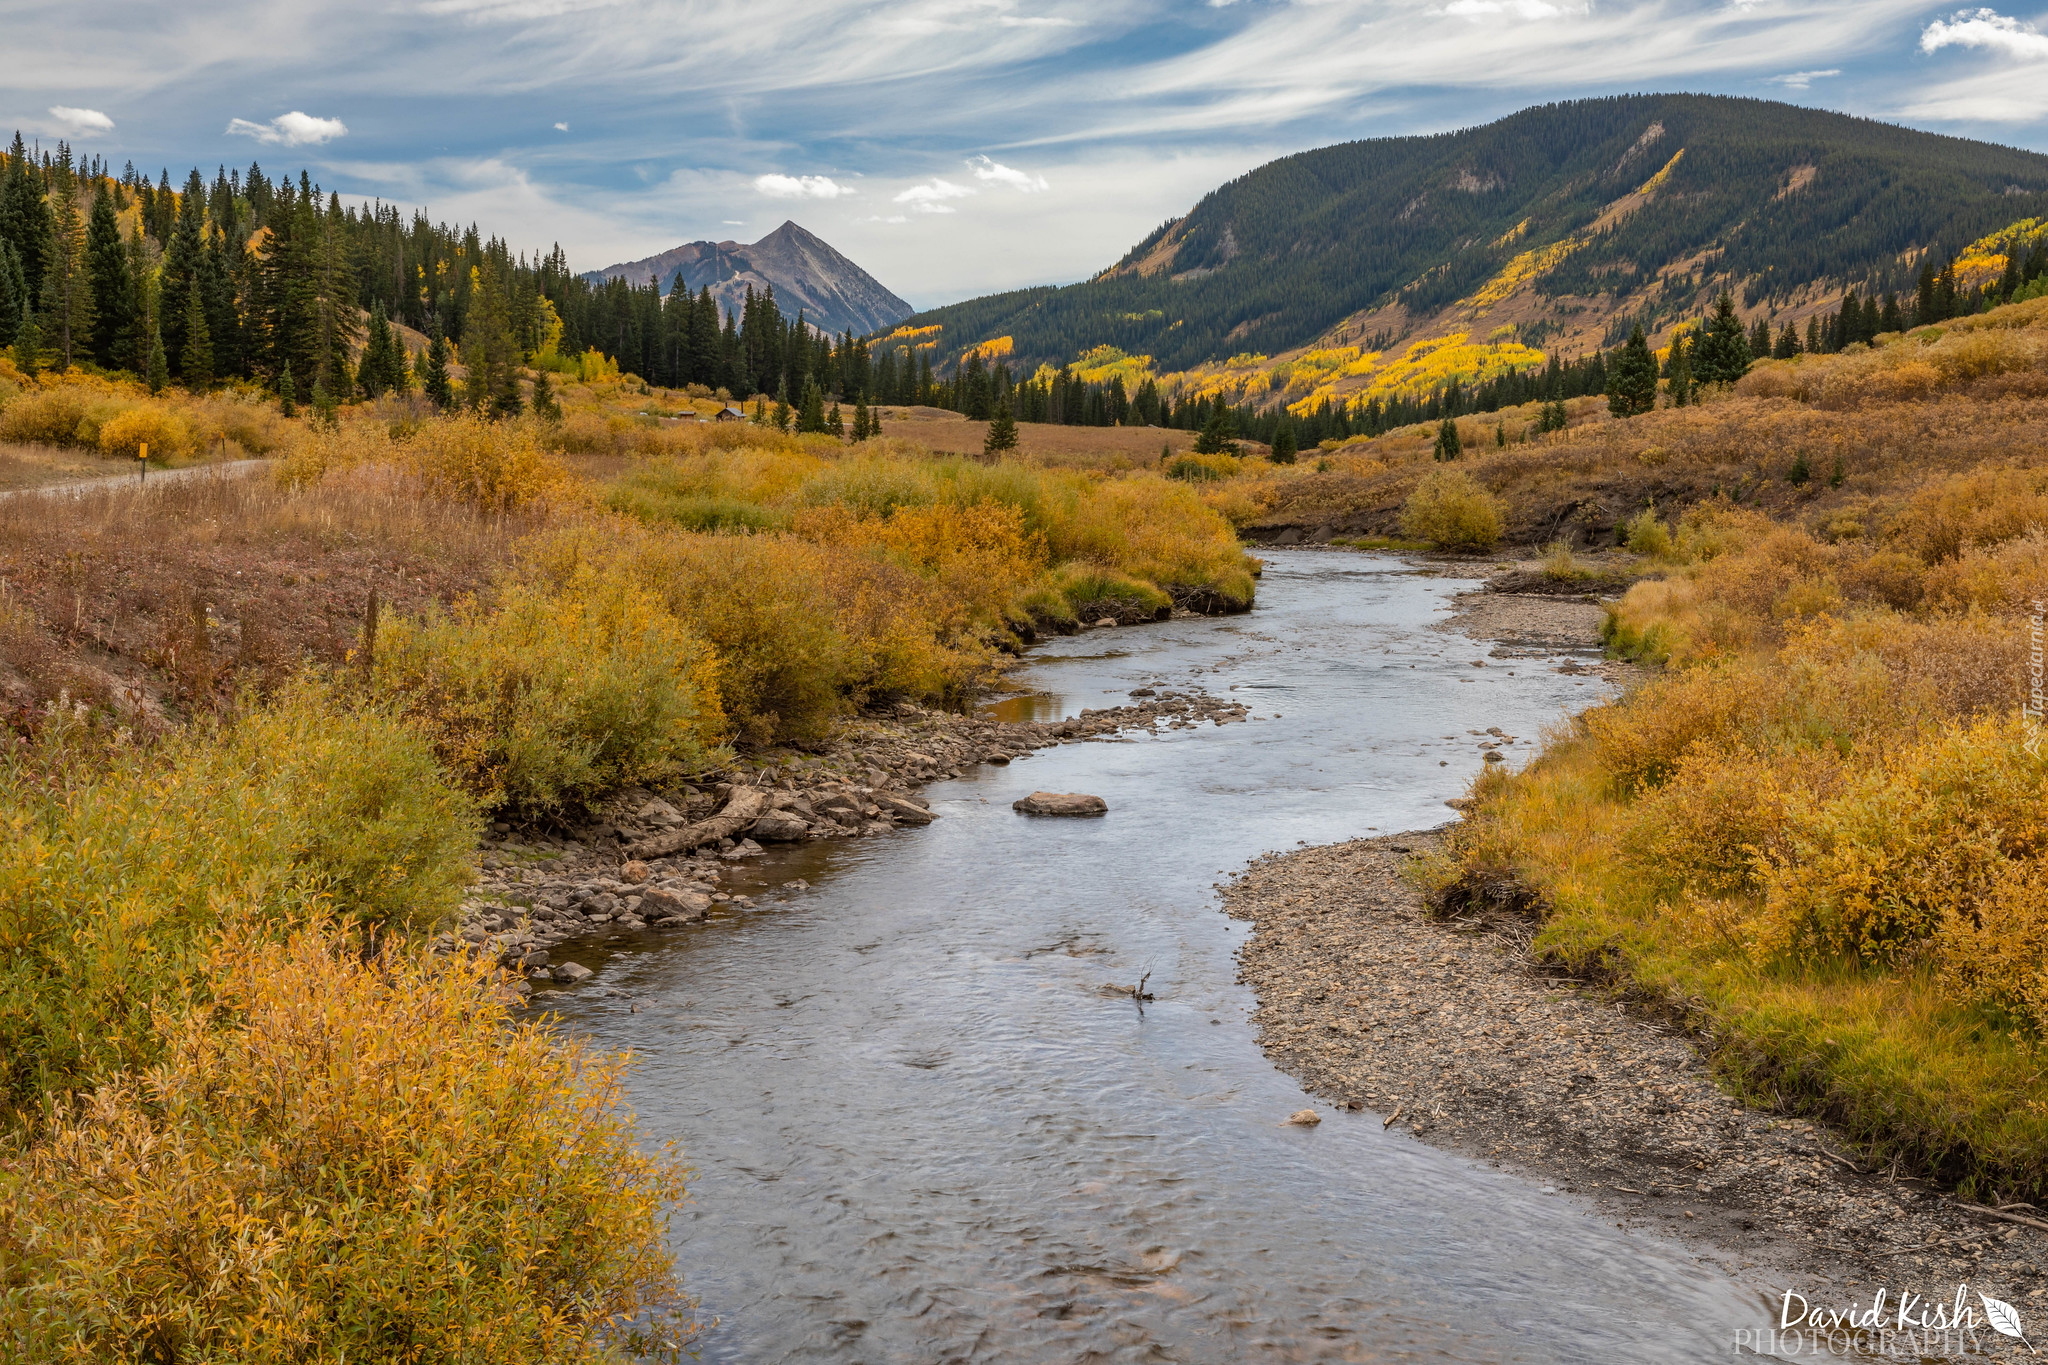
x=923, y=1132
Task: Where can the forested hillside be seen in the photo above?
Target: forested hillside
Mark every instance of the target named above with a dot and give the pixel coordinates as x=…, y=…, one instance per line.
x=1568, y=220
x=246, y=276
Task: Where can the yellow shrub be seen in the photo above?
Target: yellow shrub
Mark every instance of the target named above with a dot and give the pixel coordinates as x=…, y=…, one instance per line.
x=48, y=416
x=165, y=433
x=344, y=1160
x=114, y=880
x=1450, y=510
x=496, y=466
x=554, y=696
x=1917, y=841
x=1995, y=951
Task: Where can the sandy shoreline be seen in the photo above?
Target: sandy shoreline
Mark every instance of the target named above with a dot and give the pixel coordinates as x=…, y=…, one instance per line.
x=1451, y=1030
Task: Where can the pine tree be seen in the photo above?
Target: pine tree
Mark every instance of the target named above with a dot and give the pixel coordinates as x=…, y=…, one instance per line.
x=1500, y=434
x=434, y=381
x=1632, y=378
x=810, y=414
x=1284, y=446
x=1553, y=417
x=860, y=420
x=1787, y=345
x=874, y=423
x=1759, y=338
x=1002, y=430
x=30, y=346
x=106, y=269
x=1722, y=354
x=1678, y=371
x=1218, y=435
x=178, y=277
x=488, y=346
x=157, y=369
x=24, y=216
x=196, y=363
x=287, y=395
x=66, y=301
x=14, y=300
x=780, y=418
x=1448, y=444
x=545, y=406
x=325, y=405
x=834, y=424
x=381, y=358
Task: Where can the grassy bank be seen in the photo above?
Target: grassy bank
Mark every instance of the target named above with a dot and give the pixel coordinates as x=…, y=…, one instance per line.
x=1820, y=832
x=252, y=729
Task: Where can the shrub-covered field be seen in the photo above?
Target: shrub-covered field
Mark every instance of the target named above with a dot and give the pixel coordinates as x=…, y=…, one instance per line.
x=1820, y=832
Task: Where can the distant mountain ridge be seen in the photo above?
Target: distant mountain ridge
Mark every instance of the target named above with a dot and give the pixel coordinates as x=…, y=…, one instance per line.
x=806, y=272
x=1567, y=222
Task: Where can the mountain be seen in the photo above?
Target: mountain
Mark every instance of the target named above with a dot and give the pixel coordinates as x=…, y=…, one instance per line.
x=1568, y=221
x=834, y=293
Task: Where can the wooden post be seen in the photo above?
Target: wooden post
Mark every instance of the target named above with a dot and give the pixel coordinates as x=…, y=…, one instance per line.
x=142, y=454
x=370, y=637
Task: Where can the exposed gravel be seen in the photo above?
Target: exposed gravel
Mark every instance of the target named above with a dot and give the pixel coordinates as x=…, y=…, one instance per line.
x=540, y=888
x=1452, y=1029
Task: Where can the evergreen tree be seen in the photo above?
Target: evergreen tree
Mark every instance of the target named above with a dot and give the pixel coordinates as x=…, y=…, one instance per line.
x=1722, y=354
x=811, y=411
x=1632, y=378
x=14, y=299
x=1889, y=318
x=287, y=395
x=324, y=405
x=860, y=420
x=24, y=216
x=1448, y=444
x=1787, y=345
x=780, y=418
x=488, y=346
x=1759, y=338
x=381, y=361
x=179, y=275
x=157, y=369
x=545, y=406
x=1553, y=417
x=66, y=300
x=834, y=424
x=1002, y=430
x=1678, y=371
x=196, y=363
x=1284, y=446
x=874, y=423
x=1500, y=434
x=30, y=346
x=434, y=381
x=1218, y=435
x=106, y=268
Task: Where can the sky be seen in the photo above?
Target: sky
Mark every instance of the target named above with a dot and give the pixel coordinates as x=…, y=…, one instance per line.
x=951, y=147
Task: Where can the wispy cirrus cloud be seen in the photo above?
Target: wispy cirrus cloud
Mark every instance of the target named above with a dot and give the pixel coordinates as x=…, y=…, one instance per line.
x=295, y=129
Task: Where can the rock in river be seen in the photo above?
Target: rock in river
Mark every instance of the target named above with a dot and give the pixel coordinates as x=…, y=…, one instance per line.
x=663, y=903
x=780, y=827
x=1060, y=803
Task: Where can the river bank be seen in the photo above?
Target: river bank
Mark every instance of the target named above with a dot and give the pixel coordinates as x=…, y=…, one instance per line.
x=1452, y=1029
x=655, y=860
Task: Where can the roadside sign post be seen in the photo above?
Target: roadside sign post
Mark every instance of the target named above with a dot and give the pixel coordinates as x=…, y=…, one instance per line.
x=142, y=455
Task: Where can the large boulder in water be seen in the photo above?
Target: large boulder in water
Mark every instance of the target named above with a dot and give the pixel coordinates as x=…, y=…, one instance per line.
x=1060, y=803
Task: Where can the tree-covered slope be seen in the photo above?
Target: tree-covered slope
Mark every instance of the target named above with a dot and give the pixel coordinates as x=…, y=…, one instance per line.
x=1597, y=205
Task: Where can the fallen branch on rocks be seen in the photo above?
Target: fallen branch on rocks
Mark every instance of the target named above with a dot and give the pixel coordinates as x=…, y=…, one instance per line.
x=747, y=805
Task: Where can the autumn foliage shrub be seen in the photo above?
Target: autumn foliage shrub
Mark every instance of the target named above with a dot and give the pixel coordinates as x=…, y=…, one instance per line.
x=553, y=695
x=1449, y=510
x=343, y=1158
x=119, y=864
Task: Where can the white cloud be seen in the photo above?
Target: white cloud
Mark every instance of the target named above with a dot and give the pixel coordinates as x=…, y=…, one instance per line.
x=929, y=197
x=996, y=173
x=734, y=222
x=1521, y=9
x=81, y=120
x=291, y=130
x=800, y=187
x=1800, y=80
x=561, y=127
x=887, y=218
x=1985, y=28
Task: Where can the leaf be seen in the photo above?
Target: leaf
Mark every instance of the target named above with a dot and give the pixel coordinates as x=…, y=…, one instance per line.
x=2005, y=1319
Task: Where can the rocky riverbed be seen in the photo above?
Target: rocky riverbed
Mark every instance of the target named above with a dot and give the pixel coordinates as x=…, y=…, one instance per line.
x=656, y=860
x=1452, y=1029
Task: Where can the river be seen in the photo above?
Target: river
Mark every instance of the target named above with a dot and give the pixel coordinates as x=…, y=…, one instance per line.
x=924, y=1133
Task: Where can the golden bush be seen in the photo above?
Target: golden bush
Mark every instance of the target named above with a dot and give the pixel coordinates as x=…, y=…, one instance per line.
x=553, y=695
x=126, y=432
x=1449, y=510
x=495, y=466
x=344, y=1159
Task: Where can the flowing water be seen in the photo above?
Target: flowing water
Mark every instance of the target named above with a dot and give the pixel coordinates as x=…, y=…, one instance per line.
x=924, y=1133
